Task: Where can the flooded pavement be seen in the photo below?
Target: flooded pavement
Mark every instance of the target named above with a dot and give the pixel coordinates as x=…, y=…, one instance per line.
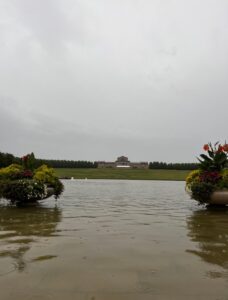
x=114, y=240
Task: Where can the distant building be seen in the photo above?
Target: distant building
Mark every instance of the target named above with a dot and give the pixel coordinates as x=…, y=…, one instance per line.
x=123, y=162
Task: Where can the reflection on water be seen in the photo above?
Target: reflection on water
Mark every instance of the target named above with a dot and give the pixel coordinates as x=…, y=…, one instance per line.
x=209, y=229
x=19, y=228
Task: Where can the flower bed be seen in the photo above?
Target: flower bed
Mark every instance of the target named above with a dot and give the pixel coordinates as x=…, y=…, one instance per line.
x=209, y=184
x=24, y=184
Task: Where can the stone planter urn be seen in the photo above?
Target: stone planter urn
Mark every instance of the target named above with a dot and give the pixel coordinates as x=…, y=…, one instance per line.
x=219, y=198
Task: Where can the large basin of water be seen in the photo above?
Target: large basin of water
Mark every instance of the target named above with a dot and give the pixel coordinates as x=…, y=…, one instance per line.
x=114, y=240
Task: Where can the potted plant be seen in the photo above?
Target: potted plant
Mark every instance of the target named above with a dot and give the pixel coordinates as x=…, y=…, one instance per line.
x=22, y=183
x=209, y=183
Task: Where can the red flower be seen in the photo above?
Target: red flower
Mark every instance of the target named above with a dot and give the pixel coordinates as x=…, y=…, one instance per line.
x=220, y=149
x=27, y=174
x=225, y=147
x=206, y=147
x=210, y=176
x=24, y=158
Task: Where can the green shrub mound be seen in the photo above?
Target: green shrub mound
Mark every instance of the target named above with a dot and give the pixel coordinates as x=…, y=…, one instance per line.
x=21, y=183
x=212, y=174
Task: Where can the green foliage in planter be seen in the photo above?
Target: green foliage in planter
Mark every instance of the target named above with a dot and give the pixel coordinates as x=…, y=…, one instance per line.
x=24, y=190
x=212, y=174
x=20, y=183
x=193, y=177
x=47, y=175
x=215, y=159
x=202, y=191
x=10, y=172
x=223, y=183
x=58, y=188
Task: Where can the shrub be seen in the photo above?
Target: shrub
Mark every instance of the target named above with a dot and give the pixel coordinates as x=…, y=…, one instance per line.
x=11, y=171
x=19, y=183
x=193, y=177
x=212, y=174
x=210, y=177
x=215, y=159
x=202, y=191
x=58, y=188
x=23, y=190
x=223, y=183
x=44, y=174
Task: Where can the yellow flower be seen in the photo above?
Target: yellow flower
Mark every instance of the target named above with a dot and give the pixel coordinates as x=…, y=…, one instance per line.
x=193, y=177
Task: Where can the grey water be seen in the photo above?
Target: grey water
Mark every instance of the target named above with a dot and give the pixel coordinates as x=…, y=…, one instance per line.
x=113, y=239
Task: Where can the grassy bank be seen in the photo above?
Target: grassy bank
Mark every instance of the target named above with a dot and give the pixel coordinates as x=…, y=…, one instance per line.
x=133, y=174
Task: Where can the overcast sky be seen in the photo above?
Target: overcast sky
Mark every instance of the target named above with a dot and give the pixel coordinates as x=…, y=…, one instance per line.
x=95, y=79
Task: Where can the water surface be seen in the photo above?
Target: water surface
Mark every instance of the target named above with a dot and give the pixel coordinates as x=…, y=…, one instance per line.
x=109, y=240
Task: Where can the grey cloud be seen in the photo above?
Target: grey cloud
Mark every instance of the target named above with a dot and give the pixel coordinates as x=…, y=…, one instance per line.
x=97, y=79
x=41, y=136
x=47, y=23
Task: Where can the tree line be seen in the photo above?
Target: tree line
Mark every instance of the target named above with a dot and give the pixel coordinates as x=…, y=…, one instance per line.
x=55, y=163
x=173, y=166
x=7, y=159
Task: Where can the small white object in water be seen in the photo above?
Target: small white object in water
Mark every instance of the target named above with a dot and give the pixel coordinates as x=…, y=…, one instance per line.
x=72, y=178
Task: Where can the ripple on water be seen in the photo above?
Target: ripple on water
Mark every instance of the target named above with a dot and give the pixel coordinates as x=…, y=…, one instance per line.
x=117, y=237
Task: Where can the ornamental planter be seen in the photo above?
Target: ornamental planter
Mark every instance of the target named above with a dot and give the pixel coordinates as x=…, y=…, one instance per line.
x=49, y=193
x=25, y=186
x=219, y=198
x=209, y=183
x=25, y=191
